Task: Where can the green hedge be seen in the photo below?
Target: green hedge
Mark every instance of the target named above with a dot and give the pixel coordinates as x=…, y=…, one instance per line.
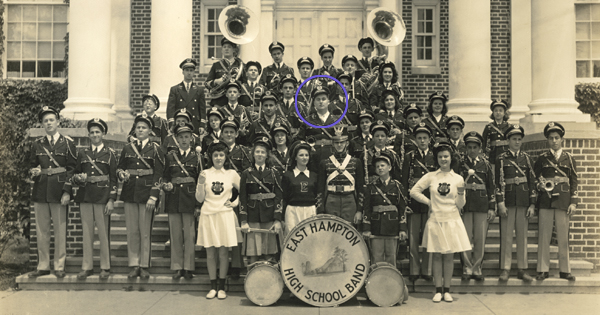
x=588, y=97
x=20, y=101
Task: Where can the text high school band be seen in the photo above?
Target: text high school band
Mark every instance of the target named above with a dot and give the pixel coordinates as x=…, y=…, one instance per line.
x=251, y=161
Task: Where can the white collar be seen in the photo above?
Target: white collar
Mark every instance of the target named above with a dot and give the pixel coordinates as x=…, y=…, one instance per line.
x=252, y=82
x=98, y=148
x=424, y=152
x=297, y=172
x=514, y=153
x=55, y=137
x=271, y=120
x=282, y=153
x=217, y=133
x=222, y=170
x=455, y=142
x=386, y=182
x=471, y=160
x=288, y=100
x=555, y=153
x=324, y=117
x=264, y=166
x=144, y=142
x=184, y=152
x=231, y=147
x=437, y=117
x=233, y=106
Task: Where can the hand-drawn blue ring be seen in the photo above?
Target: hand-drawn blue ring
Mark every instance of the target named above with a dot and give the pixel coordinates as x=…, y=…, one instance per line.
x=296, y=101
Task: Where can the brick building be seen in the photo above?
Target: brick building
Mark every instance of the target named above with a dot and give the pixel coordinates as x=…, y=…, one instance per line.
x=530, y=52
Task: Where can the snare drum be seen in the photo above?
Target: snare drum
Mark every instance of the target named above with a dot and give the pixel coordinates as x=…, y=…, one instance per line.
x=324, y=261
x=263, y=283
x=385, y=285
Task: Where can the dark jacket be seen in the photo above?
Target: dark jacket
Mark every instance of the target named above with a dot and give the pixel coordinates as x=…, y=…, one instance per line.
x=254, y=209
x=479, y=198
x=182, y=199
x=389, y=222
x=512, y=194
x=138, y=189
x=49, y=188
x=101, y=191
x=412, y=171
x=566, y=189
x=193, y=101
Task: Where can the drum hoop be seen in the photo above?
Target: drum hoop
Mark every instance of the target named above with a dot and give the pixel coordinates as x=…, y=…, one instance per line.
x=385, y=266
x=267, y=264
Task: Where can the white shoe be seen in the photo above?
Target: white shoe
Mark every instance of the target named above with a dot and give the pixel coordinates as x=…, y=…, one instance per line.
x=222, y=295
x=448, y=297
x=168, y=243
x=211, y=294
x=437, y=297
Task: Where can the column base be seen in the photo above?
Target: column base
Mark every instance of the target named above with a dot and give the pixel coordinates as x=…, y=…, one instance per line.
x=83, y=108
x=469, y=106
x=535, y=123
x=555, y=106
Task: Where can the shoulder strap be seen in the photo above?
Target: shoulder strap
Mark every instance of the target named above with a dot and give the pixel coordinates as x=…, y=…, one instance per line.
x=557, y=168
x=50, y=156
x=139, y=155
x=474, y=174
x=260, y=183
x=94, y=164
x=435, y=125
x=180, y=164
x=382, y=194
x=517, y=166
x=494, y=126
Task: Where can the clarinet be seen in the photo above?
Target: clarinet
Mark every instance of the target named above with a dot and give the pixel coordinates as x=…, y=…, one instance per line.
x=366, y=154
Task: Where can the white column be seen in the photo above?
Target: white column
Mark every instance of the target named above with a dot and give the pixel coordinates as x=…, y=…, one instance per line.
x=392, y=54
x=267, y=32
x=520, y=62
x=170, y=43
x=470, y=60
x=89, y=61
x=251, y=51
x=120, y=63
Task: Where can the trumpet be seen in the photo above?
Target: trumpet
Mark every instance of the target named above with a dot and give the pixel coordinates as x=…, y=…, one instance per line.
x=311, y=141
x=547, y=185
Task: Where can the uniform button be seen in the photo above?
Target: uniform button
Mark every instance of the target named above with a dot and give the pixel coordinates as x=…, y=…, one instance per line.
x=137, y=177
x=180, y=185
x=138, y=163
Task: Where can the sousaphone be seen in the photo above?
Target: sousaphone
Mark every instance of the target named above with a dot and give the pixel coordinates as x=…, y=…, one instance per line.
x=386, y=26
x=239, y=24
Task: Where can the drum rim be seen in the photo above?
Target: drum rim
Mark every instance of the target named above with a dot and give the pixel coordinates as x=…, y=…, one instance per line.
x=385, y=266
x=279, y=281
x=334, y=218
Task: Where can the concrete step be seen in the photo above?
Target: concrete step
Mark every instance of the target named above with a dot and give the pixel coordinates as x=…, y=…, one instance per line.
x=159, y=234
x=492, y=251
x=493, y=237
x=118, y=220
x=119, y=249
x=164, y=282
x=120, y=265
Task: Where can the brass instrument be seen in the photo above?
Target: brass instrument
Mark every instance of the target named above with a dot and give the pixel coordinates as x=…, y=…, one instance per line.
x=386, y=26
x=220, y=89
x=547, y=185
x=311, y=141
x=239, y=24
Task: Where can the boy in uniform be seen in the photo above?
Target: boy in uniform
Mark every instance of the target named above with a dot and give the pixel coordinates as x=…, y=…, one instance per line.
x=273, y=74
x=188, y=95
x=161, y=129
x=234, y=109
x=222, y=72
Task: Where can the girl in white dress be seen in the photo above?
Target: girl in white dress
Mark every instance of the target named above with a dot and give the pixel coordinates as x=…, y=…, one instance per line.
x=217, y=222
x=444, y=233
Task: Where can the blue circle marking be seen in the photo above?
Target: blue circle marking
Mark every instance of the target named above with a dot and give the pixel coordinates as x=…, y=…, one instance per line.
x=296, y=101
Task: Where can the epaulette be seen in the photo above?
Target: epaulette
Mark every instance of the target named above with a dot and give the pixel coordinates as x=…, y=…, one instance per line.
x=40, y=139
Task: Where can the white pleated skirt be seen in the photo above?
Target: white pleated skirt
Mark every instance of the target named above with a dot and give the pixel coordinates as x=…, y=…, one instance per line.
x=218, y=229
x=295, y=215
x=445, y=237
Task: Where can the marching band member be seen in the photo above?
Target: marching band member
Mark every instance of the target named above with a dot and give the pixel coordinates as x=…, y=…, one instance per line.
x=140, y=168
x=268, y=119
x=252, y=89
x=357, y=99
x=454, y=128
x=380, y=131
x=384, y=206
x=367, y=64
x=516, y=195
x=217, y=219
x=52, y=161
x=387, y=79
x=233, y=109
x=494, y=141
x=480, y=207
x=287, y=106
x=260, y=203
x=390, y=111
x=187, y=95
x=557, y=200
x=342, y=180
x=417, y=164
x=301, y=197
x=362, y=139
x=279, y=158
x=350, y=65
x=182, y=167
x=160, y=130
x=96, y=176
x=181, y=116
x=437, y=119
x=444, y=232
x=273, y=74
x=213, y=130
x=222, y=72
x=406, y=142
x=326, y=52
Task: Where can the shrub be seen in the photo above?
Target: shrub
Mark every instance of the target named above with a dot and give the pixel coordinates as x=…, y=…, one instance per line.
x=588, y=97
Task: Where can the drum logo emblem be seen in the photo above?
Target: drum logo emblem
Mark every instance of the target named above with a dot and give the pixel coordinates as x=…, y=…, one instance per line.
x=335, y=264
x=444, y=189
x=217, y=188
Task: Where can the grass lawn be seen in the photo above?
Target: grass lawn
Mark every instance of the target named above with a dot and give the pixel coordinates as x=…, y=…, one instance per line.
x=14, y=262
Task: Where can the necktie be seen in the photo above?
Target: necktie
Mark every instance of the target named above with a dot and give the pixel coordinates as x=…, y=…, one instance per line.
x=187, y=87
x=95, y=150
x=52, y=141
x=556, y=156
x=140, y=147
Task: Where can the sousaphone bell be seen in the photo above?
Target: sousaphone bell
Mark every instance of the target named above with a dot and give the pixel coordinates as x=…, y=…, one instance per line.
x=386, y=26
x=239, y=24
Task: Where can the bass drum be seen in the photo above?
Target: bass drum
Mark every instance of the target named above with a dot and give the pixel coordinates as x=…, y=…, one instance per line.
x=385, y=285
x=263, y=283
x=324, y=261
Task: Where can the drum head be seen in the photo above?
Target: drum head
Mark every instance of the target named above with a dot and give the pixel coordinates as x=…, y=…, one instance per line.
x=325, y=261
x=263, y=284
x=385, y=286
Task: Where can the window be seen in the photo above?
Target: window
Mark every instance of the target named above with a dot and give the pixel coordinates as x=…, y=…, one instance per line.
x=35, y=41
x=212, y=35
x=426, y=37
x=587, y=17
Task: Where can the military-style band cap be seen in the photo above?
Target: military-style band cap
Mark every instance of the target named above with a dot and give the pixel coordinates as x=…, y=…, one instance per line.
x=439, y=96
x=318, y=91
x=153, y=97
x=306, y=60
x=413, y=108
x=215, y=111
x=345, y=75
x=263, y=139
x=422, y=127
x=514, y=130
x=442, y=144
x=276, y=45
x=234, y=83
x=473, y=137
x=554, y=126
x=455, y=120
x=288, y=78
x=349, y=58
x=366, y=114
x=230, y=121
x=268, y=96
x=47, y=110
x=383, y=156
x=340, y=133
x=326, y=48
x=224, y=41
x=385, y=94
x=255, y=64
x=182, y=112
x=183, y=127
x=97, y=122
x=188, y=63
x=365, y=40
x=379, y=125
x=499, y=102
x=278, y=126
x=143, y=117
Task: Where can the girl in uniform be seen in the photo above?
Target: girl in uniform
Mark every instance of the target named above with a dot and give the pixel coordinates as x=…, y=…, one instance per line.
x=390, y=111
x=494, y=141
x=279, y=158
x=444, y=233
x=437, y=110
x=213, y=131
x=217, y=222
x=387, y=79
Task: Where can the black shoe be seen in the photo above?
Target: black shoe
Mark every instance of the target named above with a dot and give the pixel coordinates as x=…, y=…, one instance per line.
x=466, y=277
x=542, y=275
x=413, y=278
x=104, y=274
x=187, y=274
x=84, y=274
x=144, y=274
x=135, y=272
x=567, y=275
x=427, y=278
x=178, y=274
x=39, y=273
x=504, y=275
x=478, y=277
x=60, y=273
x=523, y=275
x=235, y=273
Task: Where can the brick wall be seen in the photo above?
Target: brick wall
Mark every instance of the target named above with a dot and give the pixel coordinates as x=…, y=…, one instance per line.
x=584, y=237
x=140, y=51
x=417, y=88
x=500, y=27
x=74, y=228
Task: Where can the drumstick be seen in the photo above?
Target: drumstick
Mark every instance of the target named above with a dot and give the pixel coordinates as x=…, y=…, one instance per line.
x=251, y=230
x=384, y=237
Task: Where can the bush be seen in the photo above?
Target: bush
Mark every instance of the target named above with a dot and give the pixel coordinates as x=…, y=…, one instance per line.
x=588, y=97
x=20, y=101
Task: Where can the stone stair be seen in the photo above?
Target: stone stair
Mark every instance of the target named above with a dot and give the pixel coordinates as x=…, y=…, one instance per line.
x=160, y=279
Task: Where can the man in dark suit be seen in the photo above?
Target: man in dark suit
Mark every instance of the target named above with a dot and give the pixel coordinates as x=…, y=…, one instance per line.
x=188, y=95
x=52, y=162
x=273, y=74
x=555, y=170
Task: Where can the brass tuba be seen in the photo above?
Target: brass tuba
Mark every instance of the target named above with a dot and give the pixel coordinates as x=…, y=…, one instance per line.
x=386, y=26
x=239, y=24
